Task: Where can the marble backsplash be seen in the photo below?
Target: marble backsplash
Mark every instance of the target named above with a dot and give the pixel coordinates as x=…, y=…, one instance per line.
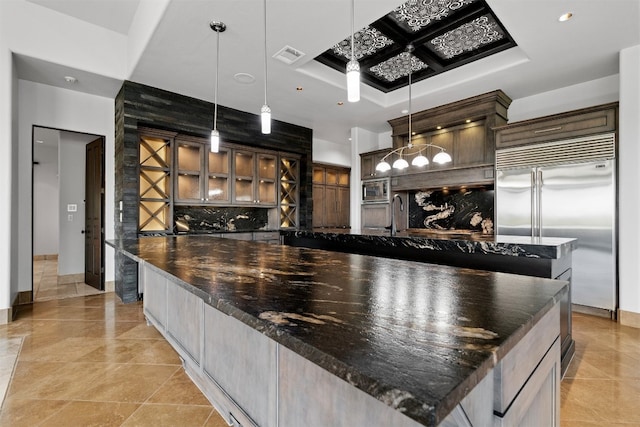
x=202, y=219
x=464, y=209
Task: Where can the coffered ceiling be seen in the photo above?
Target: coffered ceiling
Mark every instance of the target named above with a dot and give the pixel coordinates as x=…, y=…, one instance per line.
x=468, y=47
x=442, y=35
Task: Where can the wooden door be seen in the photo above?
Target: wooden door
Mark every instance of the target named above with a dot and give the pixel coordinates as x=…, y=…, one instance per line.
x=94, y=215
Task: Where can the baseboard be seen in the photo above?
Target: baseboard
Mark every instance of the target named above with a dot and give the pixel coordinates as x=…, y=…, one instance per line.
x=6, y=315
x=24, y=297
x=629, y=318
x=110, y=286
x=593, y=311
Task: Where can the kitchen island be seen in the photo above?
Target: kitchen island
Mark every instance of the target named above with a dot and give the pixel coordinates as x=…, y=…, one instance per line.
x=285, y=336
x=548, y=257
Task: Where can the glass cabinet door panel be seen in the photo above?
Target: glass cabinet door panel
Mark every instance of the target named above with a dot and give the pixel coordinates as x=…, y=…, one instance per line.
x=318, y=175
x=266, y=167
x=244, y=190
x=267, y=192
x=343, y=178
x=219, y=162
x=189, y=158
x=218, y=189
x=243, y=164
x=332, y=177
x=189, y=187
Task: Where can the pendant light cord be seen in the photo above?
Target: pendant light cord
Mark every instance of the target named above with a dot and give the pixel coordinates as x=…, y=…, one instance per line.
x=410, y=69
x=353, y=12
x=215, y=95
x=265, y=52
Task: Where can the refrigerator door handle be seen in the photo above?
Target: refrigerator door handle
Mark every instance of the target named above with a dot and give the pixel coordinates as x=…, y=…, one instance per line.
x=539, y=203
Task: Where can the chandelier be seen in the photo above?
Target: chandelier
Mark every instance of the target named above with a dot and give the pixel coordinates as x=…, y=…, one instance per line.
x=418, y=150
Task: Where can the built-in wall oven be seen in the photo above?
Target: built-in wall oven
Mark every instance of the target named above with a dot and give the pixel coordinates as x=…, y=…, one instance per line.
x=375, y=191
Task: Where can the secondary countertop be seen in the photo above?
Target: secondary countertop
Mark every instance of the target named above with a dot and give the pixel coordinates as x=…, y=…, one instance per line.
x=518, y=246
x=416, y=336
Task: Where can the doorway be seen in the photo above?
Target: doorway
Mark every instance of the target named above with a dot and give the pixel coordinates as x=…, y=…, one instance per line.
x=67, y=214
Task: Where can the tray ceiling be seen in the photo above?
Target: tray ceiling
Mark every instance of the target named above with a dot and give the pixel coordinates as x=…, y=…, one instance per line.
x=445, y=34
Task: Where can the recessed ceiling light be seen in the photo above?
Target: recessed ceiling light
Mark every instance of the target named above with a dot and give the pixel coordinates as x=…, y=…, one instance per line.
x=404, y=111
x=565, y=17
x=39, y=141
x=340, y=103
x=468, y=121
x=438, y=127
x=244, y=78
x=70, y=79
x=299, y=88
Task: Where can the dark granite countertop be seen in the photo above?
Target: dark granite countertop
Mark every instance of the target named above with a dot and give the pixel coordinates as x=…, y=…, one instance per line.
x=519, y=246
x=416, y=336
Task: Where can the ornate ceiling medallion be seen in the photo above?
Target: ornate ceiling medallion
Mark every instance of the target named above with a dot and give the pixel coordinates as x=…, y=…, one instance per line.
x=398, y=66
x=468, y=37
x=366, y=42
x=417, y=14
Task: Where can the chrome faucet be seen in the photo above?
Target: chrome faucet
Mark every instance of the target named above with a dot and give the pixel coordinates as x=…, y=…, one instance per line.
x=394, y=229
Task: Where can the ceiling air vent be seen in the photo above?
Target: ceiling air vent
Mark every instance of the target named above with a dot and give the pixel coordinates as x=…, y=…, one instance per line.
x=288, y=55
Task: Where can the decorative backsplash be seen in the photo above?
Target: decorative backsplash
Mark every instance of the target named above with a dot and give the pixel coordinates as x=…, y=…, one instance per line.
x=200, y=219
x=468, y=209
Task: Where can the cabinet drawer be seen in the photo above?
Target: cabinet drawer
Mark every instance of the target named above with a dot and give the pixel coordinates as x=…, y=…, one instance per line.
x=557, y=127
x=512, y=372
x=266, y=235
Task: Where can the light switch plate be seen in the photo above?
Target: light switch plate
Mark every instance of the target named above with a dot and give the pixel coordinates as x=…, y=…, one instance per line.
x=72, y=208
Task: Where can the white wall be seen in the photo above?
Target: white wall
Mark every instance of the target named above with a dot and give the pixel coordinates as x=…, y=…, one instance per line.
x=629, y=181
x=72, y=191
x=595, y=92
x=45, y=199
x=48, y=106
x=334, y=153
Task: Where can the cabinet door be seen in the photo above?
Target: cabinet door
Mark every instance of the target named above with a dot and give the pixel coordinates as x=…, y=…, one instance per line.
x=375, y=215
x=318, y=206
x=218, y=172
x=244, y=169
x=318, y=175
x=470, y=146
x=331, y=206
x=266, y=183
x=367, y=166
x=343, y=207
x=188, y=179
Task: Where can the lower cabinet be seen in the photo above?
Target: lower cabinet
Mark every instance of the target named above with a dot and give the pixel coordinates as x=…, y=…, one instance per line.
x=254, y=381
x=376, y=215
x=272, y=237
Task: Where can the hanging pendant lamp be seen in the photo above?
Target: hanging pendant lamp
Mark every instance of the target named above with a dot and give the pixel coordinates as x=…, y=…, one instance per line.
x=353, y=68
x=265, y=111
x=218, y=27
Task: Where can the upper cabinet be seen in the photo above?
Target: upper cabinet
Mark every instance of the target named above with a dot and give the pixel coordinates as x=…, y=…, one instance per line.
x=254, y=178
x=572, y=124
x=368, y=163
x=464, y=129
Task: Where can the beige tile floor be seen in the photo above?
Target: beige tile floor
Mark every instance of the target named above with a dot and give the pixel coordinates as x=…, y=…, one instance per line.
x=93, y=361
x=47, y=285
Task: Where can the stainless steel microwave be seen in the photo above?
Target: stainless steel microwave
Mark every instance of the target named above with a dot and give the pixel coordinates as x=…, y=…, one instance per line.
x=375, y=191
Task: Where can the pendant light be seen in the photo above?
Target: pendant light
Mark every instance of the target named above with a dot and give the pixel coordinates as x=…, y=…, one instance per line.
x=265, y=111
x=218, y=27
x=353, y=68
x=420, y=159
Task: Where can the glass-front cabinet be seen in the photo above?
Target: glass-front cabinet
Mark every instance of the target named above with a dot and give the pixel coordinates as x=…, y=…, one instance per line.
x=202, y=176
x=254, y=178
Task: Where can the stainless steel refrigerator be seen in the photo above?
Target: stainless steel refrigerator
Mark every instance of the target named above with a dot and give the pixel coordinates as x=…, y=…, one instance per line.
x=566, y=189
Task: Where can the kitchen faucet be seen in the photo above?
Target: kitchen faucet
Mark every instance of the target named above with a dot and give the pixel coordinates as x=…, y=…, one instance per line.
x=394, y=229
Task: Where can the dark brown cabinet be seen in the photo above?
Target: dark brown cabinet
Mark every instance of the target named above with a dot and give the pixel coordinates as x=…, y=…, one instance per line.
x=331, y=196
x=368, y=163
x=572, y=124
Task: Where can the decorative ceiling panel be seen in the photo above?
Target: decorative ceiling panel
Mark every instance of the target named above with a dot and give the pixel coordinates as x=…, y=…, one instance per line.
x=398, y=66
x=366, y=42
x=417, y=14
x=467, y=37
x=446, y=34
